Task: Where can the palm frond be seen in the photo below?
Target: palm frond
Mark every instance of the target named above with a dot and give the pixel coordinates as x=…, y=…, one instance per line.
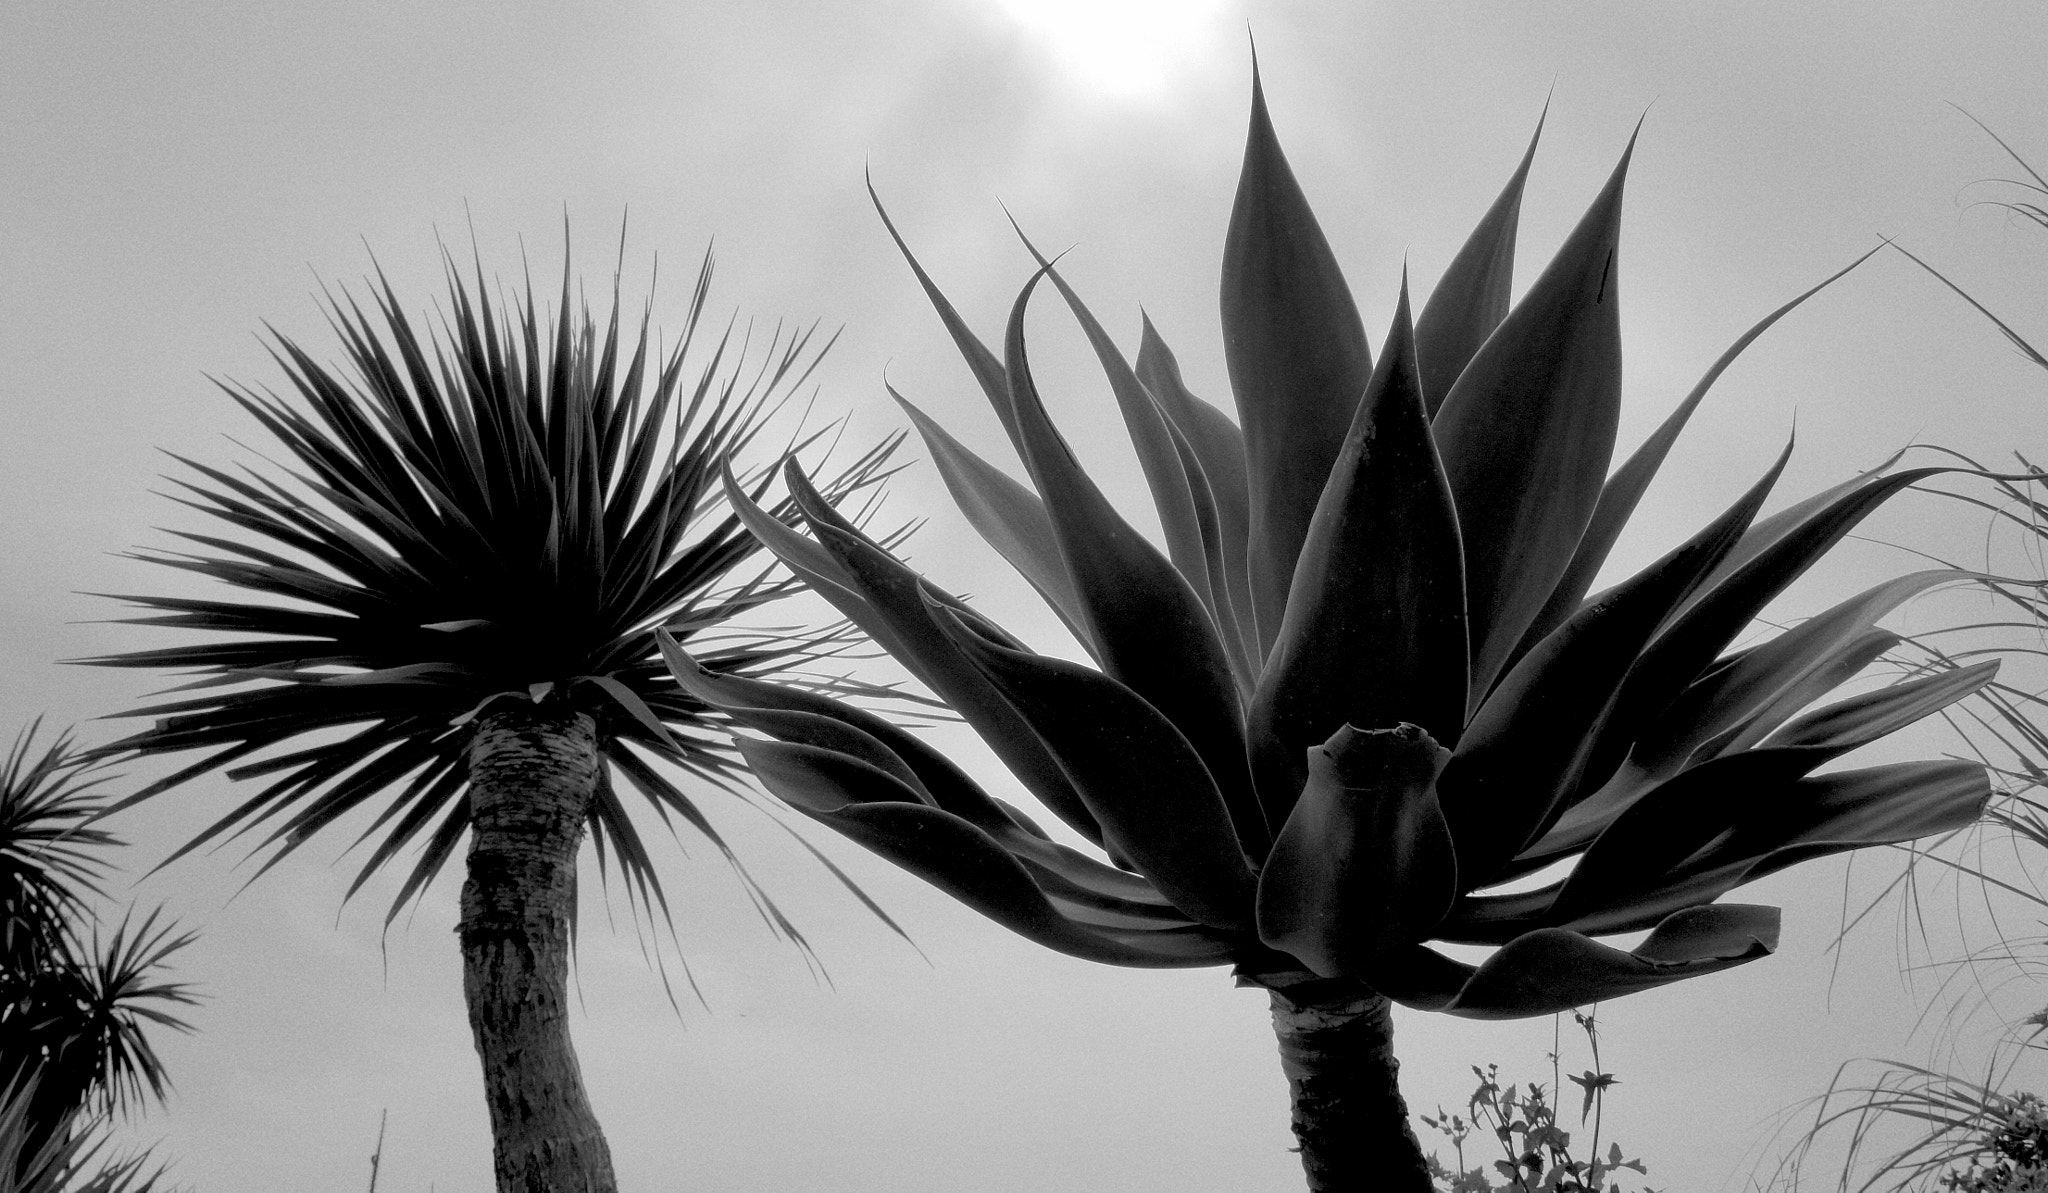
x=509, y=501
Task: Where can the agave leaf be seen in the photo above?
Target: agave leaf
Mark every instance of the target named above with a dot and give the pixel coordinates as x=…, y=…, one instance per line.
x=1646, y=840
x=1154, y=633
x=1219, y=447
x=770, y=707
x=1623, y=490
x=1151, y=438
x=741, y=698
x=1823, y=815
x=1216, y=595
x=1471, y=298
x=1141, y=779
x=1731, y=694
x=1374, y=633
x=1297, y=356
x=1520, y=757
x=985, y=365
x=1009, y=517
x=1871, y=715
x=1527, y=431
x=1674, y=820
x=1840, y=669
x=1773, y=529
x=956, y=857
x=891, y=609
x=1726, y=602
x=1551, y=970
x=1364, y=863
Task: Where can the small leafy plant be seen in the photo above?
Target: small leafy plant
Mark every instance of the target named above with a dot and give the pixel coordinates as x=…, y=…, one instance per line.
x=1536, y=1153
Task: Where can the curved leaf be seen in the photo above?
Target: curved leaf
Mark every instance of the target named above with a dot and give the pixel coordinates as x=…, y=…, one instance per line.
x=1552, y=970
x=1008, y=516
x=738, y=696
x=892, y=610
x=986, y=367
x=1154, y=633
x=1219, y=447
x=1471, y=298
x=1374, y=634
x=1775, y=552
x=1872, y=715
x=1674, y=820
x=1297, y=356
x=1724, y=699
x=1520, y=757
x=1823, y=815
x=1151, y=438
x=1527, y=431
x=960, y=860
x=1364, y=862
x=1141, y=779
x=1618, y=497
x=1843, y=667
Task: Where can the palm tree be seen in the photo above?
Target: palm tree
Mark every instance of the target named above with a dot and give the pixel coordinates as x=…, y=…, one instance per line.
x=444, y=608
x=75, y=1006
x=1363, y=701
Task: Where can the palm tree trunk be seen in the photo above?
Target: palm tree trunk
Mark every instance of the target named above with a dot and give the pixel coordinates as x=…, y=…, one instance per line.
x=533, y=770
x=1337, y=1048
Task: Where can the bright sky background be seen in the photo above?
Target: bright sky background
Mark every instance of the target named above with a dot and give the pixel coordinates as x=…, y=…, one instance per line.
x=179, y=172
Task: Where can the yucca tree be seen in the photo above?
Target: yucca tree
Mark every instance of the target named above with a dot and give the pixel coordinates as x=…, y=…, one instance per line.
x=443, y=614
x=1364, y=688
x=76, y=1005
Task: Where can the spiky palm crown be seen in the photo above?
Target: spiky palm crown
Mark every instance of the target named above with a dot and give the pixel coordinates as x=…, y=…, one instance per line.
x=76, y=1004
x=504, y=509
x=1364, y=686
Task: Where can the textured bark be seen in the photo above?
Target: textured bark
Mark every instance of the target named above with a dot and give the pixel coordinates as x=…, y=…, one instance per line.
x=533, y=771
x=1337, y=1048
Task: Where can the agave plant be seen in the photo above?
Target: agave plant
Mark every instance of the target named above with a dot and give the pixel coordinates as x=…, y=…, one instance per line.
x=76, y=1007
x=1362, y=702
x=444, y=611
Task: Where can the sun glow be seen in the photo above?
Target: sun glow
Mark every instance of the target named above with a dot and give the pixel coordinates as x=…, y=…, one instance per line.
x=1128, y=48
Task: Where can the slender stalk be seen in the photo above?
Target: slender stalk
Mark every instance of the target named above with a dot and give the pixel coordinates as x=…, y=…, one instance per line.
x=533, y=770
x=1350, y=1121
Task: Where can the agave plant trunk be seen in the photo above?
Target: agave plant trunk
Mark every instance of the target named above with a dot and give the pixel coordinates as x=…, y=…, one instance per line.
x=1351, y=1125
x=533, y=771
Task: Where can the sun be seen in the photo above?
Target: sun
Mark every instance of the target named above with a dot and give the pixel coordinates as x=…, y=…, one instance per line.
x=1128, y=48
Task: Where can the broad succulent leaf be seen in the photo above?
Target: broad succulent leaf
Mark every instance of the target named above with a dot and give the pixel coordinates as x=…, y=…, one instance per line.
x=1472, y=297
x=1008, y=516
x=1297, y=356
x=868, y=806
x=1139, y=776
x=889, y=604
x=1524, y=750
x=1375, y=627
x=1618, y=497
x=1383, y=618
x=1218, y=447
x=1152, y=438
x=1153, y=631
x=1554, y=969
x=1527, y=431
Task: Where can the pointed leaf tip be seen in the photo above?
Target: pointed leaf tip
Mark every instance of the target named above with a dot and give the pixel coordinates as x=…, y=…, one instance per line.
x=1297, y=356
x=1527, y=432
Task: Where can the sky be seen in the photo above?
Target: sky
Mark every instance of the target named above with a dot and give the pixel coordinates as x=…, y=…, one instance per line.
x=181, y=174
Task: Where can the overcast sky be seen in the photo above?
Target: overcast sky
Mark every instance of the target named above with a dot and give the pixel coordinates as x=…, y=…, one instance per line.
x=180, y=172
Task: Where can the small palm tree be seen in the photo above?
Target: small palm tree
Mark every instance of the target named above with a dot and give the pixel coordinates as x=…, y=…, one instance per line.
x=75, y=1006
x=444, y=608
x=1363, y=700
